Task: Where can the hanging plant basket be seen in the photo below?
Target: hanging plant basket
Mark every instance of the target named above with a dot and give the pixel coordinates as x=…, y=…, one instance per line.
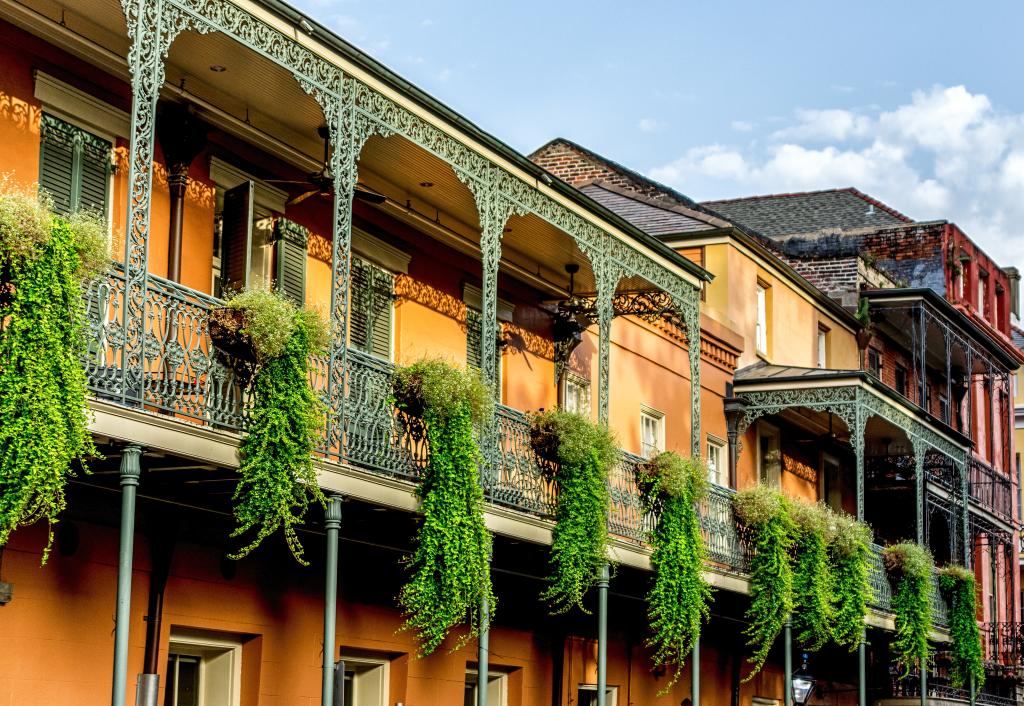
x=227, y=327
x=545, y=442
x=407, y=392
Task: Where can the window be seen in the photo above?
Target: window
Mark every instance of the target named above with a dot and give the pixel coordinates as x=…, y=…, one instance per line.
x=371, y=307
x=474, y=296
x=586, y=695
x=497, y=688
x=203, y=669
x=250, y=246
x=944, y=408
x=716, y=461
x=982, y=292
x=875, y=362
x=822, y=347
x=652, y=432
x=900, y=376
x=761, y=328
x=74, y=167
x=366, y=680
x=576, y=394
x=769, y=460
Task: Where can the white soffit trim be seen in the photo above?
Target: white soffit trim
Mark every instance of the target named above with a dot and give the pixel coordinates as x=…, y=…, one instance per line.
x=378, y=252
x=73, y=105
x=474, y=298
x=228, y=176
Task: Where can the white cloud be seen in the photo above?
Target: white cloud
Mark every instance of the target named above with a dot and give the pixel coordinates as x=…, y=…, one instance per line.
x=946, y=153
x=743, y=126
x=651, y=125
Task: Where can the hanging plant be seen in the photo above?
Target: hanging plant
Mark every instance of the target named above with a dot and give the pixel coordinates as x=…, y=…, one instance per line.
x=450, y=566
x=677, y=605
x=812, y=575
x=910, y=566
x=278, y=478
x=585, y=453
x=957, y=583
x=44, y=260
x=849, y=549
x=762, y=511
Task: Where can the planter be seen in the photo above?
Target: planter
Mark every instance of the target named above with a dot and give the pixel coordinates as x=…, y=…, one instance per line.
x=647, y=477
x=227, y=332
x=545, y=442
x=408, y=395
x=864, y=337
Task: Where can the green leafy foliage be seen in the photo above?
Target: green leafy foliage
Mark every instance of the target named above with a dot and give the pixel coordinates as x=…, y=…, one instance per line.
x=812, y=575
x=450, y=569
x=957, y=583
x=677, y=604
x=849, y=549
x=762, y=511
x=579, y=543
x=910, y=565
x=43, y=416
x=434, y=384
x=271, y=319
x=278, y=478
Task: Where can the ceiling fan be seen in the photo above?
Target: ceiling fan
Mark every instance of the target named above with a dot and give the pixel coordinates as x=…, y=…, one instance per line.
x=322, y=182
x=830, y=435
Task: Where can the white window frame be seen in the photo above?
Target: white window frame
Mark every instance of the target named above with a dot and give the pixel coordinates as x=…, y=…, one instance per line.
x=766, y=430
x=501, y=681
x=719, y=447
x=571, y=379
x=822, y=347
x=761, y=325
x=197, y=643
x=374, y=670
x=659, y=425
x=611, y=692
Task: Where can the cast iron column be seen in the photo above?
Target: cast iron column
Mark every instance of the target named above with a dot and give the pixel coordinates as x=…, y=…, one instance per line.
x=482, y=657
x=695, y=673
x=602, y=636
x=862, y=670
x=787, y=662
x=332, y=523
x=130, y=471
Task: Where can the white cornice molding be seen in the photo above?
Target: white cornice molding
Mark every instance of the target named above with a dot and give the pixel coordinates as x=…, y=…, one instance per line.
x=76, y=106
x=372, y=248
x=228, y=176
x=474, y=298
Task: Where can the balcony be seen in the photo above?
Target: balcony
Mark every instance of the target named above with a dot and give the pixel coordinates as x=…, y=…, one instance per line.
x=990, y=488
x=184, y=378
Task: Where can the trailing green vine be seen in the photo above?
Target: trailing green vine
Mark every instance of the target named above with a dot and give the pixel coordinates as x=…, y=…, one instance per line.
x=585, y=452
x=813, y=610
x=849, y=549
x=762, y=511
x=450, y=567
x=910, y=565
x=677, y=604
x=957, y=583
x=278, y=479
x=44, y=260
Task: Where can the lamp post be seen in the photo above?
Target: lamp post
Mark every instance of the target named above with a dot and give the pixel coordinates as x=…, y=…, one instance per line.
x=803, y=684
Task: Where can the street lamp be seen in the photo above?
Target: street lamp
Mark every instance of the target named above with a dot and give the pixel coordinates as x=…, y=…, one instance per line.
x=803, y=684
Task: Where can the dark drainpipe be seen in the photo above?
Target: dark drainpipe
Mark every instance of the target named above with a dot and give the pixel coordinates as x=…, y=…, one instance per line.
x=735, y=409
x=182, y=137
x=161, y=552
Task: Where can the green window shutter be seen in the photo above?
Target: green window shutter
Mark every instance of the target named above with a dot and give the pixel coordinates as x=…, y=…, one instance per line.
x=74, y=167
x=474, y=333
x=291, y=239
x=236, y=237
x=370, y=308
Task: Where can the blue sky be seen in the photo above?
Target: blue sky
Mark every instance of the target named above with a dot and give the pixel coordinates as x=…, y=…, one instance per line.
x=920, y=104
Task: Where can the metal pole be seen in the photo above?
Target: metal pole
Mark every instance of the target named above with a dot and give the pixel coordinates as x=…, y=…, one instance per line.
x=695, y=674
x=483, y=653
x=332, y=523
x=787, y=662
x=130, y=471
x=973, y=696
x=924, y=683
x=602, y=636
x=862, y=670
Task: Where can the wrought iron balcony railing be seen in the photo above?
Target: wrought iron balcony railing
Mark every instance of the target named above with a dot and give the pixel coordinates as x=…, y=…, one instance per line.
x=1003, y=644
x=184, y=377
x=990, y=488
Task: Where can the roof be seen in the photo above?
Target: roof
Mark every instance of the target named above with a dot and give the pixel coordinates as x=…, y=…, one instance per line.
x=783, y=214
x=652, y=216
x=388, y=77
x=761, y=371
